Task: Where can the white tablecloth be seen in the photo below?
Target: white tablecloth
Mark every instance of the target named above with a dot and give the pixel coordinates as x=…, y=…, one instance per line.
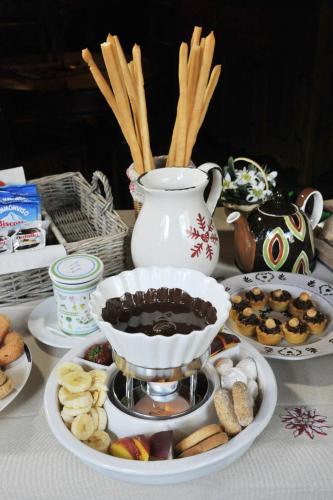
x=280, y=465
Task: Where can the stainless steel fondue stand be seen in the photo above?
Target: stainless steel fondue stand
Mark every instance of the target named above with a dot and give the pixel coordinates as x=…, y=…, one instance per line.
x=160, y=393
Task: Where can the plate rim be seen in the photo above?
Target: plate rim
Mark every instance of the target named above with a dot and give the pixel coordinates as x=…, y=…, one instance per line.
x=25, y=355
x=274, y=277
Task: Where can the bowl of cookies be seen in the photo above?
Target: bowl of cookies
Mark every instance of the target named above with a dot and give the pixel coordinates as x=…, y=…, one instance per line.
x=283, y=315
x=85, y=406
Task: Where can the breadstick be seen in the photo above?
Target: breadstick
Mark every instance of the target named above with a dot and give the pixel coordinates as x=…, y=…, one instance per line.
x=199, y=96
x=214, y=78
x=225, y=412
x=144, y=130
x=182, y=111
x=195, y=40
x=171, y=160
x=193, y=73
x=130, y=87
x=242, y=403
x=122, y=103
x=100, y=81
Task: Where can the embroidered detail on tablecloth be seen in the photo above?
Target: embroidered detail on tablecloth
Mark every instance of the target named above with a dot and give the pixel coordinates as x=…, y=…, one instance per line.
x=304, y=420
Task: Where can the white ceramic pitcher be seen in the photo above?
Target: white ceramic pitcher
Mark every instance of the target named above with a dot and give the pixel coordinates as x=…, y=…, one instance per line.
x=175, y=225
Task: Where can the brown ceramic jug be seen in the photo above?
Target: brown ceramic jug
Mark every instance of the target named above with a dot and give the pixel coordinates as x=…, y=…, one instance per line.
x=278, y=235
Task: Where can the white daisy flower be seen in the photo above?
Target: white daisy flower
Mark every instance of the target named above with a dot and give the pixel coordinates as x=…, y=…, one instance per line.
x=271, y=178
x=245, y=176
x=258, y=192
x=227, y=183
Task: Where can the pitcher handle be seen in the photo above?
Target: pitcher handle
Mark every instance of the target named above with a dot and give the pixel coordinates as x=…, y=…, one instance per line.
x=318, y=204
x=214, y=171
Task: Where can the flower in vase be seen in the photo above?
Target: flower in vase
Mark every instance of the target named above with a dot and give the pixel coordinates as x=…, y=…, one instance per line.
x=227, y=183
x=271, y=178
x=257, y=192
x=246, y=176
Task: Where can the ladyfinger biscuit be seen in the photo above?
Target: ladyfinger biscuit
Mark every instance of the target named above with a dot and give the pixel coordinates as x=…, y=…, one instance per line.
x=197, y=436
x=225, y=412
x=6, y=388
x=242, y=403
x=206, y=445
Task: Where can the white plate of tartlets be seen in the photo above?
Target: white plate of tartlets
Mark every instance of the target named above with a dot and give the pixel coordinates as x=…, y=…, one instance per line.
x=321, y=295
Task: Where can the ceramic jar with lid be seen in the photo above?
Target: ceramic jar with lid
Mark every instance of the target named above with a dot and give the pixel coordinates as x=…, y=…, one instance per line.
x=74, y=278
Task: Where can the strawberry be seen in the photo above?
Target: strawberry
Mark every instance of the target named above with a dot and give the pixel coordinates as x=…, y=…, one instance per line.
x=99, y=353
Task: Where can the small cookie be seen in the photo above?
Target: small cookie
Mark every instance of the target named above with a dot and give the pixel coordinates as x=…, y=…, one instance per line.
x=13, y=346
x=269, y=332
x=6, y=388
x=197, y=436
x=295, y=331
x=206, y=445
x=231, y=376
x=300, y=305
x=257, y=298
x=3, y=377
x=238, y=303
x=253, y=389
x=315, y=320
x=246, y=322
x=4, y=326
x=225, y=412
x=242, y=404
x=249, y=367
x=223, y=365
x=278, y=300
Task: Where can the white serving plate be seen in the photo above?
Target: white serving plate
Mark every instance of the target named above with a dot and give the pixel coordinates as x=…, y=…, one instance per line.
x=321, y=295
x=169, y=471
x=19, y=372
x=43, y=326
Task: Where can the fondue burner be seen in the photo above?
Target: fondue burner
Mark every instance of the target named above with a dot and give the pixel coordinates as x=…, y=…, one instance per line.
x=160, y=393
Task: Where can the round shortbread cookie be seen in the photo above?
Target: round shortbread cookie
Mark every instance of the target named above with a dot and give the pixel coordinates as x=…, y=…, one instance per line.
x=197, y=436
x=206, y=445
x=3, y=377
x=4, y=326
x=6, y=388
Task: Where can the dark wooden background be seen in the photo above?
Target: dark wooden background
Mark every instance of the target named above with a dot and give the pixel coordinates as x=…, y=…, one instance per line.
x=273, y=102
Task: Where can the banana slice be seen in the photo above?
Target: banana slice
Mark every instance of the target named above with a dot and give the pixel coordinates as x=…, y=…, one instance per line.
x=75, y=400
x=83, y=427
x=102, y=419
x=98, y=380
x=99, y=440
x=73, y=412
x=77, y=381
x=67, y=368
x=101, y=398
x=94, y=415
x=68, y=419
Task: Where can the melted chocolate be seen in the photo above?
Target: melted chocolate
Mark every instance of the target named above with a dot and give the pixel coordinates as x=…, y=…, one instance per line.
x=162, y=311
x=282, y=298
x=302, y=304
x=300, y=328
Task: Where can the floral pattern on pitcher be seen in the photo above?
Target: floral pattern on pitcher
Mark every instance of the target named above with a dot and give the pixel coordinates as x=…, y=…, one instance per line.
x=205, y=232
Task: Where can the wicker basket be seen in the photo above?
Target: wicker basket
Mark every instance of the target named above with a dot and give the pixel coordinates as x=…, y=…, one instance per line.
x=83, y=221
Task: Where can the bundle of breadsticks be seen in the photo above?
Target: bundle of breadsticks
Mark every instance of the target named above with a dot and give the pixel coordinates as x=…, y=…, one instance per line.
x=196, y=87
x=125, y=95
